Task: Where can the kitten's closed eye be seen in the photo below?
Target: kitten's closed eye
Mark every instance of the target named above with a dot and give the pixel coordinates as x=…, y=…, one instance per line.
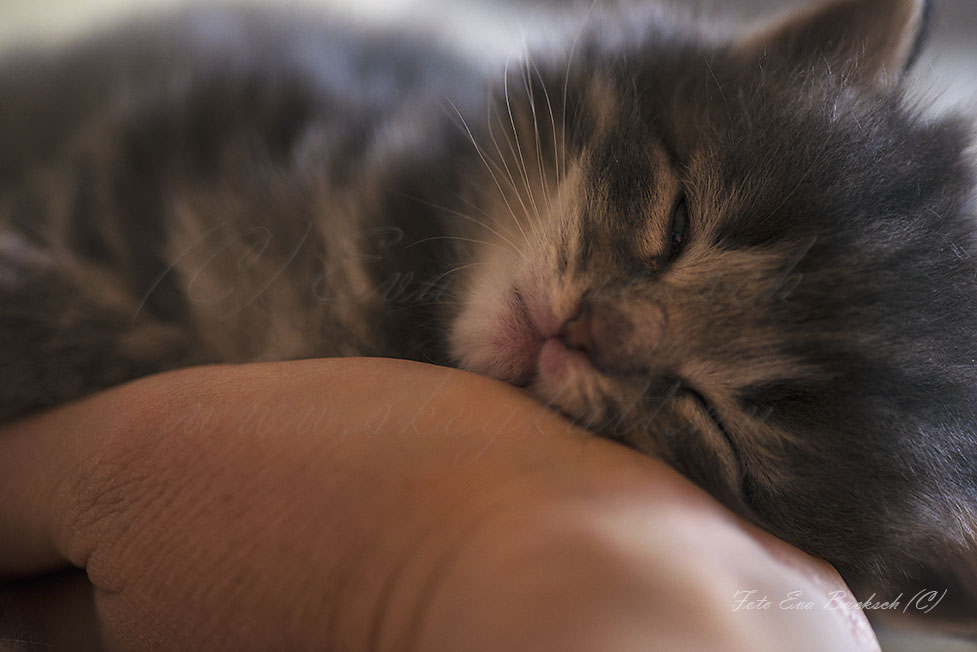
x=679, y=227
x=816, y=200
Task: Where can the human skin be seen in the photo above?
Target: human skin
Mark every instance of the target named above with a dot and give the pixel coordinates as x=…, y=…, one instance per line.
x=365, y=504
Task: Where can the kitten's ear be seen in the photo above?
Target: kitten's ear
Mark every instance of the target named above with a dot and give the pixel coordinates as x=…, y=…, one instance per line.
x=870, y=42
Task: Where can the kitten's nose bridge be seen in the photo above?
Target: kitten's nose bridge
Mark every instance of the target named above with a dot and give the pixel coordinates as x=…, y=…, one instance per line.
x=616, y=334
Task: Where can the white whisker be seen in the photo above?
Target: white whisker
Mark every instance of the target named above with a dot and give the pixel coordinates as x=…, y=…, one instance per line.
x=549, y=106
x=470, y=218
x=455, y=238
x=502, y=157
x=481, y=155
x=524, y=169
x=539, y=145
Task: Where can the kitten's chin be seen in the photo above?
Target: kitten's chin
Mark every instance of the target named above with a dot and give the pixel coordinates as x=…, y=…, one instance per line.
x=566, y=380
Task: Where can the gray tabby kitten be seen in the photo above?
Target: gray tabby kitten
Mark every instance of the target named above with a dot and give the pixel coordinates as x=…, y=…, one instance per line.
x=752, y=257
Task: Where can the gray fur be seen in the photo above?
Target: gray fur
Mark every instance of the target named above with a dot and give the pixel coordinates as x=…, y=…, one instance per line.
x=238, y=188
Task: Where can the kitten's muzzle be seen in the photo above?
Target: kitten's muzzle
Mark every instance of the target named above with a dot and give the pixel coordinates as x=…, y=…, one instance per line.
x=615, y=337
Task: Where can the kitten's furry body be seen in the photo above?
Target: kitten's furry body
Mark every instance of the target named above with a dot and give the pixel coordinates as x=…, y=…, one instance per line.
x=252, y=190
x=213, y=191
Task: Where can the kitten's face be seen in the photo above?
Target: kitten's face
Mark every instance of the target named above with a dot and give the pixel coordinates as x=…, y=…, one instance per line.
x=758, y=274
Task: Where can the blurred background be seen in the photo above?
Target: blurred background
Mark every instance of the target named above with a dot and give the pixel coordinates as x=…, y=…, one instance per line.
x=946, y=76
x=491, y=28
x=947, y=72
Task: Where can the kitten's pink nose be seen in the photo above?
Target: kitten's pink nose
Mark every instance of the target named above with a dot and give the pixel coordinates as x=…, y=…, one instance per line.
x=576, y=332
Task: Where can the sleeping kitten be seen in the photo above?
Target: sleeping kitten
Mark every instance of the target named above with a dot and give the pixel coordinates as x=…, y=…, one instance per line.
x=750, y=257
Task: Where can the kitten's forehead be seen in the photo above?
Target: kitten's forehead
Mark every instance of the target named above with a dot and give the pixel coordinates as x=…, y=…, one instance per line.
x=627, y=194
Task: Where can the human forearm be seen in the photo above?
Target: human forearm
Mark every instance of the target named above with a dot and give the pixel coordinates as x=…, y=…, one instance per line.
x=361, y=504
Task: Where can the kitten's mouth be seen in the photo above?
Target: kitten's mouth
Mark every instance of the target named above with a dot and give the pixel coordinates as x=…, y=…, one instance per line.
x=557, y=359
x=537, y=347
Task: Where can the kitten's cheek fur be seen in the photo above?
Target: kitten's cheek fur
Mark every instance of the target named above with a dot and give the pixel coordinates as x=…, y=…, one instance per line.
x=490, y=336
x=493, y=345
x=495, y=333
